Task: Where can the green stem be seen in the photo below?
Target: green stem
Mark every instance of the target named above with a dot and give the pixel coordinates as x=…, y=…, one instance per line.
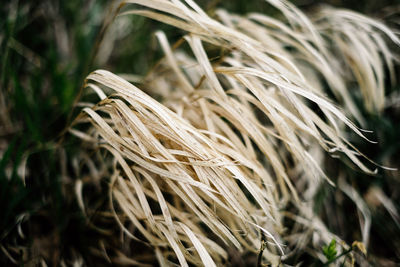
x=337, y=257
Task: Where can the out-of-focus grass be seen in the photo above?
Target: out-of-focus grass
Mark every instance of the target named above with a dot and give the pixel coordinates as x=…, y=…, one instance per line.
x=46, y=50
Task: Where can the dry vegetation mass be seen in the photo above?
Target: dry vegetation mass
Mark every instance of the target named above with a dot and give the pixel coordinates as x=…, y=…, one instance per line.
x=221, y=153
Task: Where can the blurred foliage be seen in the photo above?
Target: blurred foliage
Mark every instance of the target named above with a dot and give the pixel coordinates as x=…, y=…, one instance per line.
x=46, y=50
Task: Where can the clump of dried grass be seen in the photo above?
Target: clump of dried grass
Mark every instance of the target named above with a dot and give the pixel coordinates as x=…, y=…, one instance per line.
x=237, y=140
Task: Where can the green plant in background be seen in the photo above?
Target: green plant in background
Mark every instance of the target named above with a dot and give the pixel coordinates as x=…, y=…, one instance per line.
x=330, y=251
x=48, y=49
x=44, y=51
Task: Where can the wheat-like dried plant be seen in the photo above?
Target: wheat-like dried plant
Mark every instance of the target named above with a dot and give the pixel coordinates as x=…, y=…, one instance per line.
x=232, y=154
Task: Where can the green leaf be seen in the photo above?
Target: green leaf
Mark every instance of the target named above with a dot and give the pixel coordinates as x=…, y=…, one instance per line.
x=330, y=251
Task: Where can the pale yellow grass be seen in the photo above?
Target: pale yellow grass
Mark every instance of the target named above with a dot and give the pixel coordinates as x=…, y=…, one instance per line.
x=238, y=139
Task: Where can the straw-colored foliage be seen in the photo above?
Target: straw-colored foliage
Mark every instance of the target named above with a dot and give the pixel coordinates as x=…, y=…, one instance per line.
x=233, y=152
